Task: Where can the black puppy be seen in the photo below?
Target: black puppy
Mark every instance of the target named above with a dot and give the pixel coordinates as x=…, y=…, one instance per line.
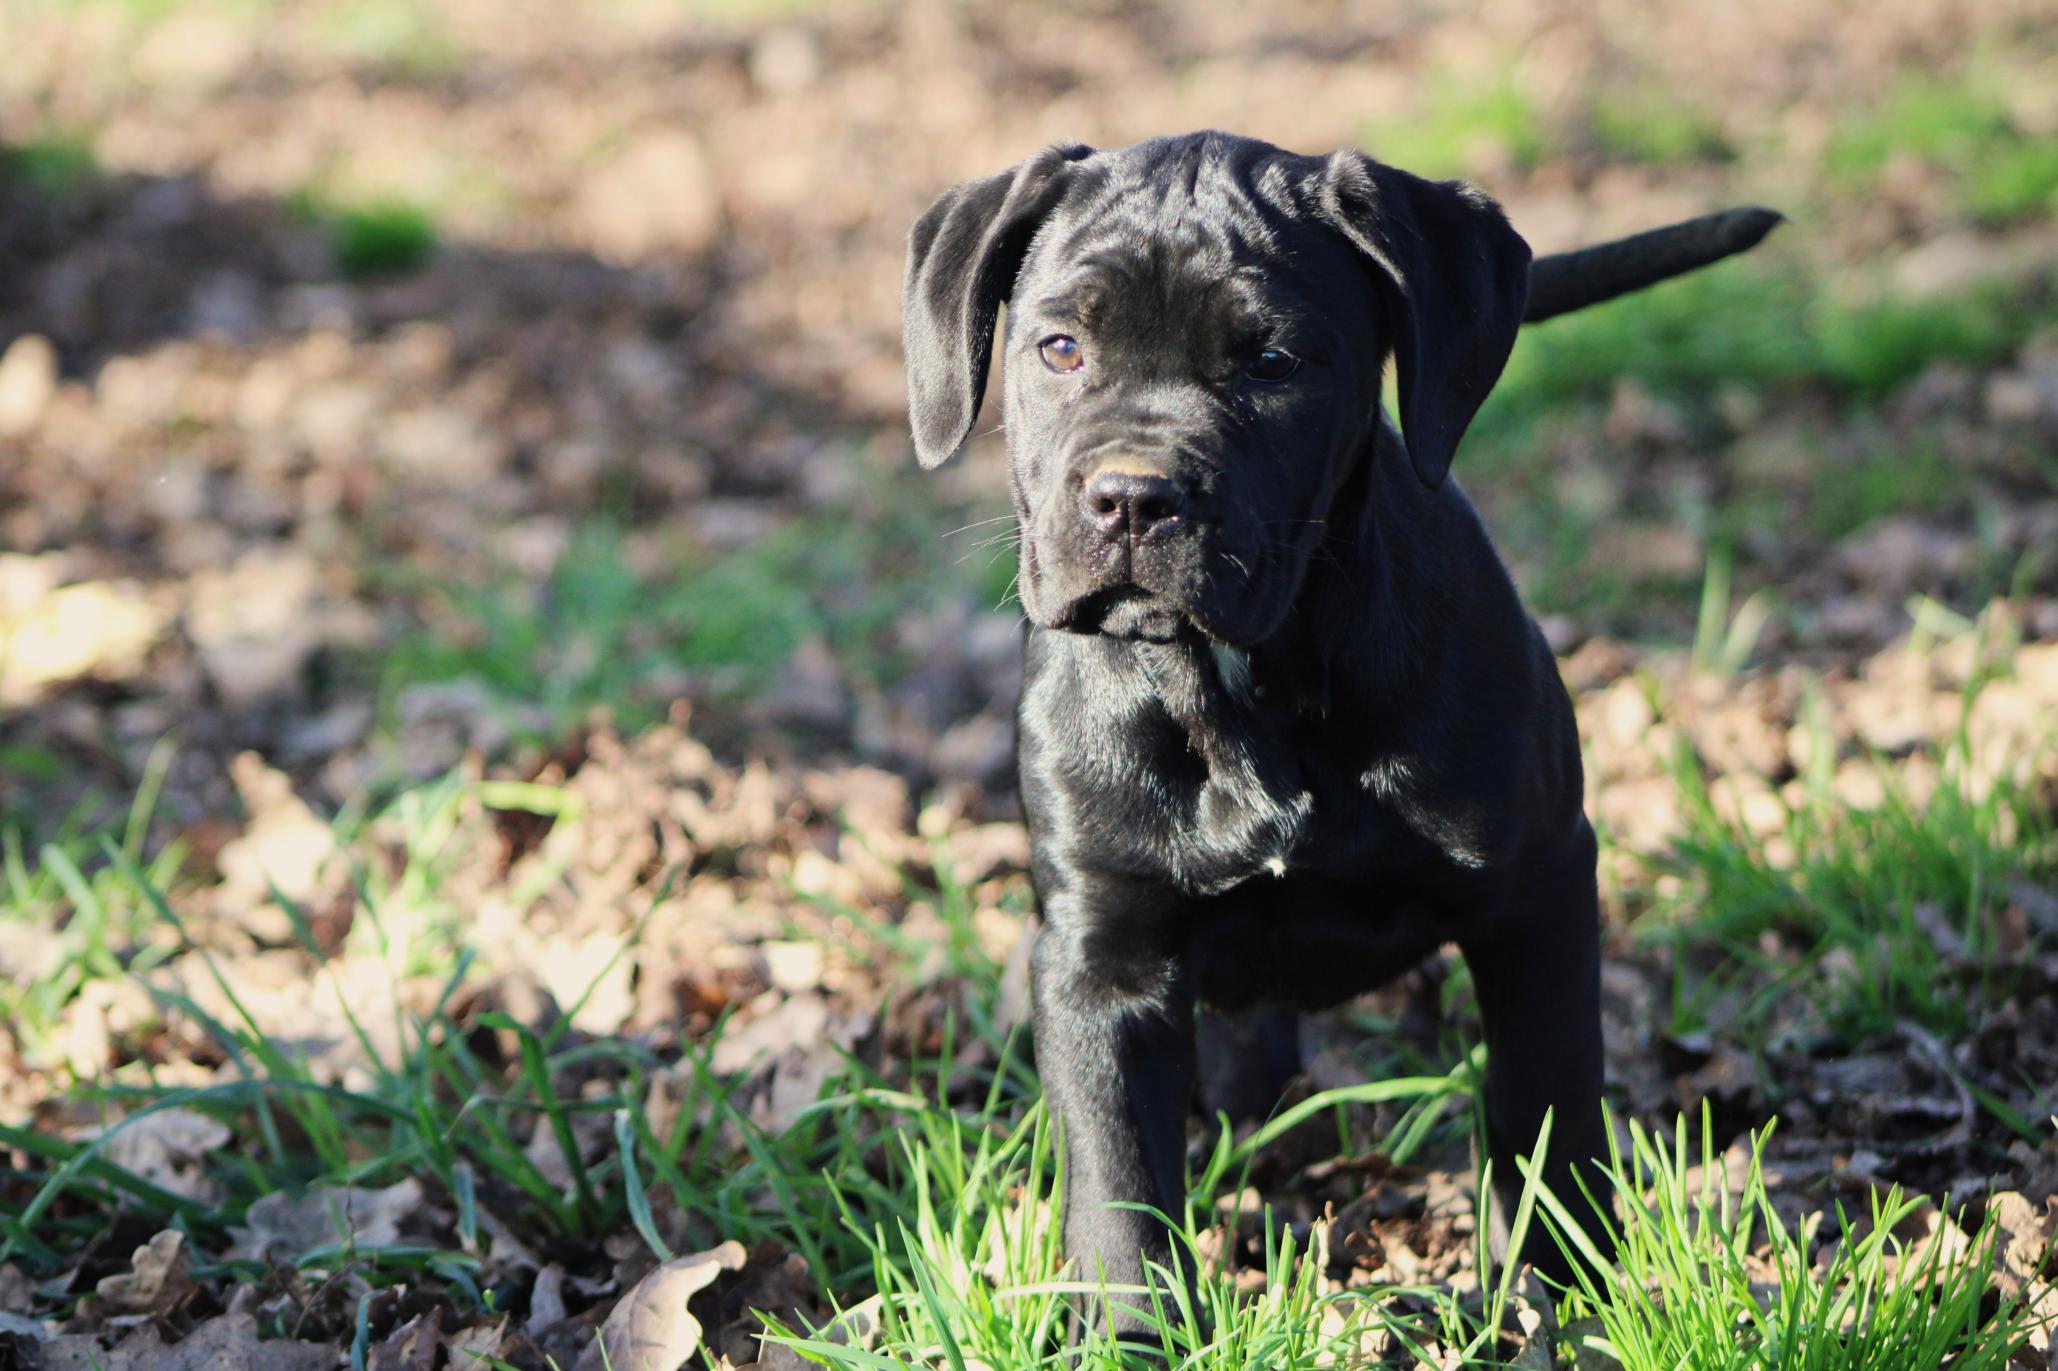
x=1285, y=726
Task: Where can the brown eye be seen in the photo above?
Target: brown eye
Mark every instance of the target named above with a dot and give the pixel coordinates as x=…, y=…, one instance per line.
x=1272, y=365
x=1061, y=352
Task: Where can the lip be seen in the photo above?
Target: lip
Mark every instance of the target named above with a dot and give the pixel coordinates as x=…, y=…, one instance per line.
x=1125, y=611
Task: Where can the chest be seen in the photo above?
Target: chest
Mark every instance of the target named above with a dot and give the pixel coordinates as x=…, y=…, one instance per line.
x=1209, y=804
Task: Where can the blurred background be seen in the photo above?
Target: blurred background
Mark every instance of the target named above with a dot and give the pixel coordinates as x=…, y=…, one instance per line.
x=389, y=377
x=467, y=437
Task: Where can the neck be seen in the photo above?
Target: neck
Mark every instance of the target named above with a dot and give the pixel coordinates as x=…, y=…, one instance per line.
x=1345, y=637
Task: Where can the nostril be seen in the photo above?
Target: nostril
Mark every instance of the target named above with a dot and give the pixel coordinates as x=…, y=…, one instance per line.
x=1135, y=501
x=1157, y=505
x=1106, y=503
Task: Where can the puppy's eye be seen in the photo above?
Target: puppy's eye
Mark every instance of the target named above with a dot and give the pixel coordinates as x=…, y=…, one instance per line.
x=1272, y=365
x=1061, y=352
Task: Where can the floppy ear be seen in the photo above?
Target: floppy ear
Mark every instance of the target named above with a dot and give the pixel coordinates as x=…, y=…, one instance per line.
x=1455, y=276
x=962, y=259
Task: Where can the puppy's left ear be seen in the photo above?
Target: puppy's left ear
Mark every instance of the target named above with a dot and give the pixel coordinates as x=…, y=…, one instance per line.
x=963, y=256
x=1455, y=277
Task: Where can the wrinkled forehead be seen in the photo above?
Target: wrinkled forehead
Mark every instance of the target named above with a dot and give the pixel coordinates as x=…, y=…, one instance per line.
x=1192, y=228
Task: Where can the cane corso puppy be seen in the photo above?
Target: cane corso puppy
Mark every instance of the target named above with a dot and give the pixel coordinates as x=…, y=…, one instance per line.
x=1285, y=726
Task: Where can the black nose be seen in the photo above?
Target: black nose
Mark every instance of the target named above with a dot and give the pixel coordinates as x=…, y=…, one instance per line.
x=1136, y=503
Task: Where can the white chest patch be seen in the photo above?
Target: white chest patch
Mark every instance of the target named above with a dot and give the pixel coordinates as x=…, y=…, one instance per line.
x=1234, y=666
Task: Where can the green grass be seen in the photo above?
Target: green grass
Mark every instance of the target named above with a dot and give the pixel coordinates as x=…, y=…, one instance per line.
x=378, y=237
x=1765, y=325
x=1648, y=123
x=56, y=168
x=1854, y=895
x=1835, y=1294
x=396, y=38
x=599, y=631
x=1726, y=636
x=449, y=1108
x=1959, y=126
x=1772, y=333
x=1883, y=478
x=2016, y=180
x=978, y=1277
x=1465, y=126
x=920, y=1194
x=98, y=918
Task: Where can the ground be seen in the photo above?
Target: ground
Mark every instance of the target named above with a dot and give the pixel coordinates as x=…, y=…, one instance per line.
x=506, y=843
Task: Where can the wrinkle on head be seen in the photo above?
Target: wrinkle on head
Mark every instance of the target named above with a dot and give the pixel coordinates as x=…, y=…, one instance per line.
x=1173, y=265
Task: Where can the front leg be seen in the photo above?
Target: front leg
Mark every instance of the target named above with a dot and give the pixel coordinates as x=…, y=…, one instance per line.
x=1536, y=969
x=1114, y=1045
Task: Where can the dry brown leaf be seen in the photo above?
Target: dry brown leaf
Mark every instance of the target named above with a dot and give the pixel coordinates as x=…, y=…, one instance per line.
x=22, y=1326
x=2026, y=1239
x=776, y=1024
x=229, y=1343
x=288, y=1226
x=166, y=1147
x=28, y=379
x=651, y=1328
x=286, y=844
x=546, y=1299
x=99, y=628
x=594, y=974
x=412, y=1346
x=470, y=1349
x=17, y=1291
x=157, y=1281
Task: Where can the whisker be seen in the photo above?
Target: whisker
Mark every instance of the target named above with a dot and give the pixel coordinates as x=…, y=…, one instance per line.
x=1002, y=547
x=978, y=523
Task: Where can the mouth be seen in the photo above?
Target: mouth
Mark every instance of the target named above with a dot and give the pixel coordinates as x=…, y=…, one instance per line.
x=1126, y=611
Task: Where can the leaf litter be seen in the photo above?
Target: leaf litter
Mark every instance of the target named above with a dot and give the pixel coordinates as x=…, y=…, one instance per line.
x=237, y=478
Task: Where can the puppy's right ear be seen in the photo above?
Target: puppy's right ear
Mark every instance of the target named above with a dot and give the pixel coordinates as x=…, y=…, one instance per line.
x=963, y=256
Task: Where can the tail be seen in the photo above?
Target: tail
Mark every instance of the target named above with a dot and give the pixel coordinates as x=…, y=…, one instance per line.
x=1565, y=281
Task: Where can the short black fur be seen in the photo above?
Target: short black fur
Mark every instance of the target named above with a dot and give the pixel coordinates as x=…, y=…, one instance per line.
x=1285, y=725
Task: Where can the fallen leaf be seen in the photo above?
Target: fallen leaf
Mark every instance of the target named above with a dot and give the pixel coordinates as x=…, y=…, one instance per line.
x=28, y=378
x=547, y=1299
x=167, y=1147
x=256, y=622
x=469, y=1348
x=229, y=1343
x=98, y=628
x=651, y=1328
x=594, y=975
x=22, y=1326
x=17, y=1291
x=158, y=1280
x=793, y=966
x=2026, y=1240
x=793, y=1021
x=288, y=1226
x=412, y=1346
x=285, y=846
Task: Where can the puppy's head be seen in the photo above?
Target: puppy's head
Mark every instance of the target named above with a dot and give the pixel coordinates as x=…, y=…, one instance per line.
x=1196, y=329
